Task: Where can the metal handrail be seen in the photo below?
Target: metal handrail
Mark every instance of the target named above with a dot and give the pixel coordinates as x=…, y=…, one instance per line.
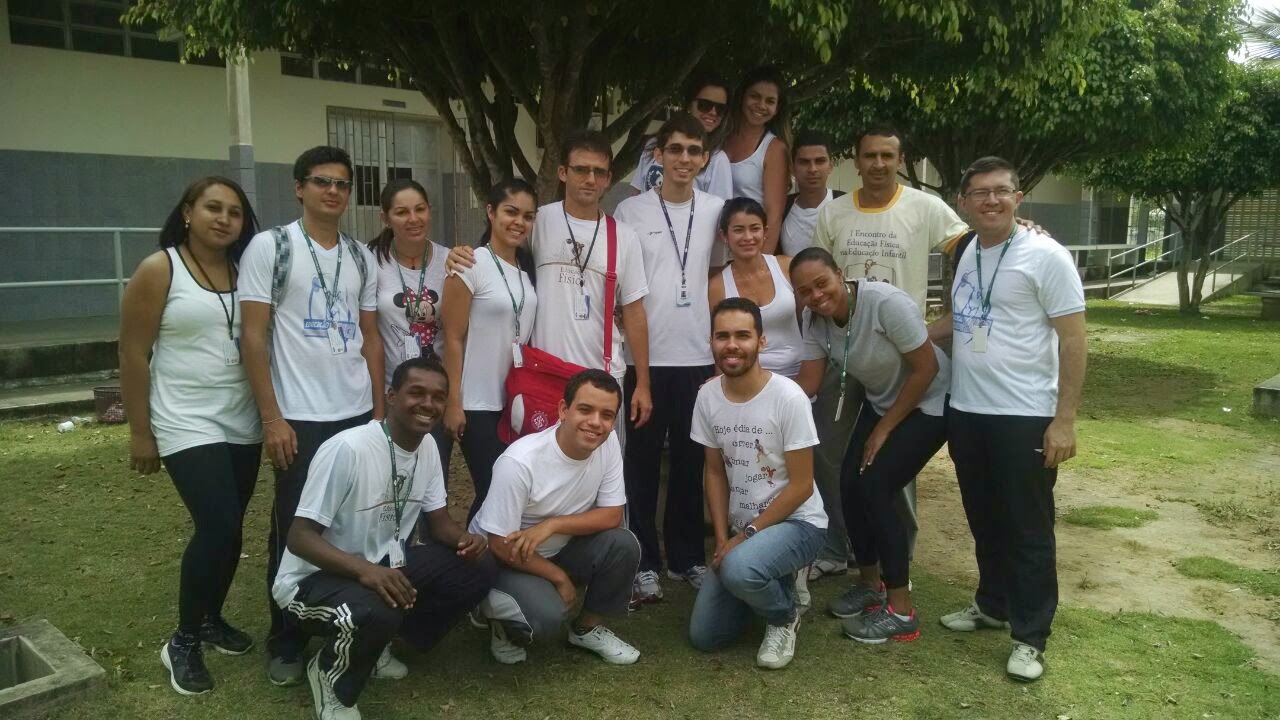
x=1149, y=243
x=1132, y=271
x=1135, y=284
x=119, y=280
x=1213, y=272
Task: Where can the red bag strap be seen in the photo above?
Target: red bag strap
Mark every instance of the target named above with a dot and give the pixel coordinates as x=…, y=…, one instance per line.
x=610, y=287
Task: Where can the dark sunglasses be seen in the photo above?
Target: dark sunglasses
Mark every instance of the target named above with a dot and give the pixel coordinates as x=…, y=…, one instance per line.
x=695, y=151
x=705, y=106
x=323, y=181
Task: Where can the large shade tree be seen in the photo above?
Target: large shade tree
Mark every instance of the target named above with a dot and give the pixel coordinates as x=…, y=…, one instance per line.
x=1142, y=76
x=1232, y=156
x=563, y=62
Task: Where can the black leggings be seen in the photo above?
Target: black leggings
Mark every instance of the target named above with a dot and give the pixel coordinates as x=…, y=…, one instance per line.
x=215, y=482
x=481, y=448
x=876, y=530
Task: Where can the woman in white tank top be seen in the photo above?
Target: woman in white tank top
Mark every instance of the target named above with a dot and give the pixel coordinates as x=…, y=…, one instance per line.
x=762, y=279
x=190, y=406
x=758, y=134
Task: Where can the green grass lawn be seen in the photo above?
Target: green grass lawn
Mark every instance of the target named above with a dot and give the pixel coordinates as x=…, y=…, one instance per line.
x=95, y=549
x=1105, y=517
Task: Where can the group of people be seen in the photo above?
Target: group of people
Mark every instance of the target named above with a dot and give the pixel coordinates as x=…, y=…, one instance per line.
x=773, y=345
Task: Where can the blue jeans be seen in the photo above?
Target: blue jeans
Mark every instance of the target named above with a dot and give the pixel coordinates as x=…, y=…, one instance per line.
x=756, y=576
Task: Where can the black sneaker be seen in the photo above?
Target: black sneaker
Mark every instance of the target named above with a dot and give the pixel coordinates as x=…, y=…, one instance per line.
x=224, y=638
x=184, y=660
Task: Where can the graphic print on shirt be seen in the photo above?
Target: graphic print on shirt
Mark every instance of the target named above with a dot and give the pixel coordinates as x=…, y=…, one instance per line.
x=967, y=313
x=386, y=507
x=316, y=323
x=858, y=253
x=424, y=319
x=752, y=455
x=653, y=177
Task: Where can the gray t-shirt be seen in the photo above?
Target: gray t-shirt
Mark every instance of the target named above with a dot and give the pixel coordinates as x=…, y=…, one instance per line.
x=886, y=324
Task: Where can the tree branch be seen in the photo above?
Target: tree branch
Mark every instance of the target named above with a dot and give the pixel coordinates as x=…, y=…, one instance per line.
x=513, y=80
x=657, y=97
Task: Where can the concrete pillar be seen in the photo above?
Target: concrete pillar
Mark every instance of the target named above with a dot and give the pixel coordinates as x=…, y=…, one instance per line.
x=241, y=151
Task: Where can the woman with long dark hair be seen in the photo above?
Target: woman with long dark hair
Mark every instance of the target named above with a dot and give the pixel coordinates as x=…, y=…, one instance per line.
x=410, y=285
x=872, y=333
x=190, y=407
x=708, y=101
x=489, y=312
x=757, y=138
x=762, y=279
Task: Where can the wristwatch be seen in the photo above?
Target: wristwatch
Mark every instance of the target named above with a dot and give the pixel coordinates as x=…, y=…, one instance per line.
x=749, y=530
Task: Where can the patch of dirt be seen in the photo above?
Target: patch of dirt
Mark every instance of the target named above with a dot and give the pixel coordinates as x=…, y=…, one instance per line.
x=1132, y=569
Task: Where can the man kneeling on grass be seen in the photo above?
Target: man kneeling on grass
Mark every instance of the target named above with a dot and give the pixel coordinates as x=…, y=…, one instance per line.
x=759, y=436
x=553, y=516
x=348, y=574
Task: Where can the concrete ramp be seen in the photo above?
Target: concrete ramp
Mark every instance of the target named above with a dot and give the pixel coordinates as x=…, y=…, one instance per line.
x=1163, y=290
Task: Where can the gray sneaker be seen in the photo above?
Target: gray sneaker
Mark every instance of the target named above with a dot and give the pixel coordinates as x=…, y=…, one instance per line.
x=856, y=600
x=881, y=625
x=1026, y=663
x=970, y=619
x=286, y=672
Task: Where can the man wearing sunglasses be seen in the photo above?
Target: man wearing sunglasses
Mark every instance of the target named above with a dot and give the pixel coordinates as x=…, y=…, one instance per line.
x=676, y=224
x=311, y=351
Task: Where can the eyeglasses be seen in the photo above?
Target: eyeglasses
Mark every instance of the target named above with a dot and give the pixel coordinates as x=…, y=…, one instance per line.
x=582, y=171
x=325, y=182
x=984, y=194
x=695, y=151
x=705, y=106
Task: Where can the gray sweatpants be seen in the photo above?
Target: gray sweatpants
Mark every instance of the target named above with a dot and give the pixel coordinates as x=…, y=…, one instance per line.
x=833, y=439
x=532, y=610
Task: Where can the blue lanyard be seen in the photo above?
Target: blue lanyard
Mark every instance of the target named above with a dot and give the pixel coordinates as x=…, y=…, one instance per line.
x=684, y=259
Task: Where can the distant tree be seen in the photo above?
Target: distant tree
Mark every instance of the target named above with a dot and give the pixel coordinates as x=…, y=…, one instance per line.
x=1232, y=156
x=1147, y=73
x=567, y=63
x=1260, y=32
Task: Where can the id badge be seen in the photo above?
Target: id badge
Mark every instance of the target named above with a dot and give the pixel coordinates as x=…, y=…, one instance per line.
x=231, y=351
x=517, y=357
x=980, y=333
x=682, y=296
x=411, y=348
x=396, y=556
x=839, y=408
x=337, y=345
x=582, y=307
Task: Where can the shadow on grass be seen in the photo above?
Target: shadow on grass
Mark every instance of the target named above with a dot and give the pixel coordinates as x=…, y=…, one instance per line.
x=1120, y=384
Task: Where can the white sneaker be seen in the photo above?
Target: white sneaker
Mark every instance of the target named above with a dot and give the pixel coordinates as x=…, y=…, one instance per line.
x=779, y=645
x=820, y=568
x=1026, y=664
x=501, y=647
x=388, y=667
x=601, y=641
x=693, y=576
x=326, y=703
x=477, y=619
x=970, y=619
x=645, y=588
x=803, y=598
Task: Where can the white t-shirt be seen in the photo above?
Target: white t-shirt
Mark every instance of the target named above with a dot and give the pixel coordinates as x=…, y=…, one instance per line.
x=798, y=226
x=311, y=382
x=196, y=397
x=534, y=480
x=678, y=333
x=716, y=178
x=491, y=327
x=393, y=319
x=754, y=437
x=1018, y=374
x=556, y=330
x=349, y=492
x=885, y=326
x=889, y=244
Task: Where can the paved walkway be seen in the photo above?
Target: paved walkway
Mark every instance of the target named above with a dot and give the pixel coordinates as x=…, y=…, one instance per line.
x=1164, y=289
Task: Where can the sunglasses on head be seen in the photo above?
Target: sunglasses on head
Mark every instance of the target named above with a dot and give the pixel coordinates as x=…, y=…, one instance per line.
x=323, y=181
x=705, y=106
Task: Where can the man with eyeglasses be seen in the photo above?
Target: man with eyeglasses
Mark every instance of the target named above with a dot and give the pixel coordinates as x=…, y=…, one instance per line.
x=570, y=250
x=311, y=351
x=676, y=224
x=811, y=166
x=1017, y=334
x=709, y=105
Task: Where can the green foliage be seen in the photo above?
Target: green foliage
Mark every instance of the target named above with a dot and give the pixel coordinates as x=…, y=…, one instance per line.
x=1259, y=582
x=1140, y=75
x=1105, y=517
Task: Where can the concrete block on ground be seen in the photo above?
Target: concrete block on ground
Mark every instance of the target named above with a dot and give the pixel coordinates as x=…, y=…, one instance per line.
x=1266, y=398
x=41, y=669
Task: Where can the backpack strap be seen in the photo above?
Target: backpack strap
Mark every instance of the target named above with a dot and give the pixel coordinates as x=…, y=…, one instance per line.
x=354, y=250
x=791, y=201
x=279, y=274
x=610, y=288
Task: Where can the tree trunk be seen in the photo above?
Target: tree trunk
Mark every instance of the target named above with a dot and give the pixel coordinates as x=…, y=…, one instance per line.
x=1184, y=291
